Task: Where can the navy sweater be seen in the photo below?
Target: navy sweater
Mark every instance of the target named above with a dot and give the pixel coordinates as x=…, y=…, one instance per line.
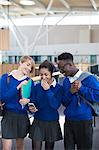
x=10, y=95
x=47, y=102
x=89, y=90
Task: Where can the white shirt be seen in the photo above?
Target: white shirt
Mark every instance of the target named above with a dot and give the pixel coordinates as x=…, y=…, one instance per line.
x=54, y=82
x=12, y=73
x=76, y=76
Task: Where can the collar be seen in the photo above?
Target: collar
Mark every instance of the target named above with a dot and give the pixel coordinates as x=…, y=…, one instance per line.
x=75, y=77
x=12, y=74
x=54, y=82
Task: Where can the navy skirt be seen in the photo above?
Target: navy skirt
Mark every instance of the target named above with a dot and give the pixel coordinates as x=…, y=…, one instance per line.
x=14, y=125
x=45, y=131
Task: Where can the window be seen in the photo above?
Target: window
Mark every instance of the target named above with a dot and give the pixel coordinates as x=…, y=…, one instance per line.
x=37, y=59
x=93, y=59
x=10, y=59
x=49, y=58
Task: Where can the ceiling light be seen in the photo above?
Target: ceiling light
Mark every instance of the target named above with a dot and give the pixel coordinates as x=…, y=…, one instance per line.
x=27, y=2
x=5, y=2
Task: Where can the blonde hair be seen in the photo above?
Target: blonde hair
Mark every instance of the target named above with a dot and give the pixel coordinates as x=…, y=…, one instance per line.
x=25, y=58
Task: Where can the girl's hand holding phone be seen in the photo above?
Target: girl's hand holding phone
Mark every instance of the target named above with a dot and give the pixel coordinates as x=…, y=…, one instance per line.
x=24, y=101
x=32, y=107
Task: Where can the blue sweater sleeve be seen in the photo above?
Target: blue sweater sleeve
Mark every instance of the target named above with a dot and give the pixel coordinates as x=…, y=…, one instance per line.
x=36, y=96
x=90, y=89
x=67, y=95
x=6, y=93
x=55, y=98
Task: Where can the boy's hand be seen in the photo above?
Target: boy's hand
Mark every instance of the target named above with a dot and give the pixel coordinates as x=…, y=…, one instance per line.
x=75, y=86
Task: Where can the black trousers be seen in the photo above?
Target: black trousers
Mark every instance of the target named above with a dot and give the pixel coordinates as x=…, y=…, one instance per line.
x=79, y=133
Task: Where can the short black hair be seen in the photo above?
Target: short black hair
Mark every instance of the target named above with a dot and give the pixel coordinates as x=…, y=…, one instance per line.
x=65, y=56
x=48, y=65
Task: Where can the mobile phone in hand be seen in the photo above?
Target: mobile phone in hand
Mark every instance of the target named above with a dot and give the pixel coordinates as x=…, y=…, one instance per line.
x=31, y=105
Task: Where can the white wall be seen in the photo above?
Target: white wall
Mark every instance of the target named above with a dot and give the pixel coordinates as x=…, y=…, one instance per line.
x=56, y=35
x=79, y=40
x=76, y=39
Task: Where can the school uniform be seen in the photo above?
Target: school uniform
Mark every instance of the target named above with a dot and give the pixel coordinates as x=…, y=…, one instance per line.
x=46, y=125
x=78, y=114
x=15, y=122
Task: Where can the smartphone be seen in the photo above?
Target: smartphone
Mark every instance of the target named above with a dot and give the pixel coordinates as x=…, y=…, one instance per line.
x=31, y=104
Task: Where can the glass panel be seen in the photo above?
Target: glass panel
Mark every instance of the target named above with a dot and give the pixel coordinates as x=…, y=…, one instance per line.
x=93, y=59
x=49, y=58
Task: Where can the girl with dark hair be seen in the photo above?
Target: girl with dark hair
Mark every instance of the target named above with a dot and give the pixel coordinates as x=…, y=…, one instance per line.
x=47, y=98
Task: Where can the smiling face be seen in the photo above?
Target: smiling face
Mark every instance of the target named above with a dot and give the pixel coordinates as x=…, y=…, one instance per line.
x=66, y=67
x=45, y=74
x=45, y=71
x=26, y=67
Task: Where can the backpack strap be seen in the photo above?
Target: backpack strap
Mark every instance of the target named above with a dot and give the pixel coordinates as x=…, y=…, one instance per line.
x=83, y=76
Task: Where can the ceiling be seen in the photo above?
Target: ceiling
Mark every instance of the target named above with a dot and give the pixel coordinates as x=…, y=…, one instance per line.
x=50, y=7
